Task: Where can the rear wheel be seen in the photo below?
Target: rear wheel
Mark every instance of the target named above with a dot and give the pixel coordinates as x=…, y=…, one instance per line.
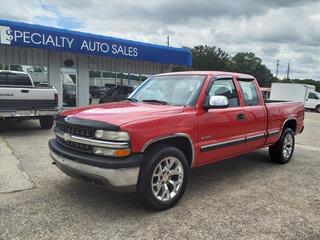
x=46, y=122
x=163, y=177
x=318, y=109
x=283, y=150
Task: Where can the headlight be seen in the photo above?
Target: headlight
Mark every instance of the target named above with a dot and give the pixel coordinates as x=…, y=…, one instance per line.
x=112, y=152
x=112, y=135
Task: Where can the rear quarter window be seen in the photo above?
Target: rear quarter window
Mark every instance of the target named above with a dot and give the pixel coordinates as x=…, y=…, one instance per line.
x=15, y=79
x=249, y=93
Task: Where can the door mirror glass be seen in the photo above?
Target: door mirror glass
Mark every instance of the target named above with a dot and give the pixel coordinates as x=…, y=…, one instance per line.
x=218, y=102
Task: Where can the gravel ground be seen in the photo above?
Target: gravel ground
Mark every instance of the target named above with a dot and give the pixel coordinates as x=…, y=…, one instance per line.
x=247, y=197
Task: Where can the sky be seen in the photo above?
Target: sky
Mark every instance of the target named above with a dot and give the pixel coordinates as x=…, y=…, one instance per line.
x=288, y=30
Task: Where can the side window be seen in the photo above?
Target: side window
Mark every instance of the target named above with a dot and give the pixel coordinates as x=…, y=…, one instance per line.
x=3, y=79
x=225, y=87
x=313, y=96
x=23, y=79
x=249, y=93
x=18, y=79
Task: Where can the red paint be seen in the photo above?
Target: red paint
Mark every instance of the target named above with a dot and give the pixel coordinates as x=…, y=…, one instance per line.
x=145, y=121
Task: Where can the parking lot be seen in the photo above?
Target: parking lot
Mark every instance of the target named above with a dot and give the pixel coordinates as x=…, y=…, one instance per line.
x=248, y=197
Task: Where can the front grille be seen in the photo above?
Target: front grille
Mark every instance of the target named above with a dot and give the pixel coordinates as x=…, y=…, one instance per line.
x=78, y=131
x=74, y=145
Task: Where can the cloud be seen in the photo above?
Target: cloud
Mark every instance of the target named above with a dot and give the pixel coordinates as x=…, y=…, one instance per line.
x=273, y=29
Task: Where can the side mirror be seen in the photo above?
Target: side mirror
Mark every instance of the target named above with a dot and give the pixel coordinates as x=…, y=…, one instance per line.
x=217, y=102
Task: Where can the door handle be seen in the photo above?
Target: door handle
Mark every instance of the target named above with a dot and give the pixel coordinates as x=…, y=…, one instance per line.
x=24, y=91
x=241, y=117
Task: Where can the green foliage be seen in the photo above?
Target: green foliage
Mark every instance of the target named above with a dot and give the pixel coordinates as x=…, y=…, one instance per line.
x=248, y=62
x=206, y=58
x=210, y=58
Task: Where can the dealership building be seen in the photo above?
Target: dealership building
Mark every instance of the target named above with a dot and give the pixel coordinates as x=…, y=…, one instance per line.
x=78, y=63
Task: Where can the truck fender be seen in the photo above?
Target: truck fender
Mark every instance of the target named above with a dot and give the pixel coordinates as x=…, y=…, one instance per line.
x=173, y=135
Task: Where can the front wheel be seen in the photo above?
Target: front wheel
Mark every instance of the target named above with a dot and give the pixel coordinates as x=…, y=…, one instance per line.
x=46, y=122
x=282, y=151
x=318, y=109
x=163, y=177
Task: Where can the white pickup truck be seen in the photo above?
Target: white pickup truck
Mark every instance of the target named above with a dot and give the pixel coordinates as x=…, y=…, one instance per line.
x=21, y=99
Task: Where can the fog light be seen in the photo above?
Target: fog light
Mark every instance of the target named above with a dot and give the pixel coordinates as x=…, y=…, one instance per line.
x=112, y=152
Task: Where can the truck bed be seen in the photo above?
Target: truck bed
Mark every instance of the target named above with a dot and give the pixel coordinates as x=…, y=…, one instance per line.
x=280, y=111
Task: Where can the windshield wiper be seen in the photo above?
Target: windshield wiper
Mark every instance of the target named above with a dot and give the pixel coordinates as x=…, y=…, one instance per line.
x=155, y=101
x=131, y=99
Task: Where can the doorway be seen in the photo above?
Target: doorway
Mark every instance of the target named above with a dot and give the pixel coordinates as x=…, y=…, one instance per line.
x=69, y=81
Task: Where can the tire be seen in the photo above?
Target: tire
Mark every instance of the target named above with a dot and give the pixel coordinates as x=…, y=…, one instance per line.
x=317, y=109
x=161, y=195
x=46, y=122
x=283, y=150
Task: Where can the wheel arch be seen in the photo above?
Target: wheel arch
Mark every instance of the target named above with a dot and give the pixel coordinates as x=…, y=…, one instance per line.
x=182, y=141
x=290, y=123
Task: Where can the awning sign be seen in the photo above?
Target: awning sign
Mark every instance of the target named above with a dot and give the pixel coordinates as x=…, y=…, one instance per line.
x=34, y=36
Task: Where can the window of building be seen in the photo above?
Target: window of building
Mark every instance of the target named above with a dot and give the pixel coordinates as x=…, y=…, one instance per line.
x=249, y=92
x=143, y=77
x=100, y=82
x=225, y=87
x=110, y=86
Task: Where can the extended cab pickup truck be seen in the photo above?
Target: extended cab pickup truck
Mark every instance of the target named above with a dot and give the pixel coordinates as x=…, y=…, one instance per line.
x=20, y=99
x=169, y=124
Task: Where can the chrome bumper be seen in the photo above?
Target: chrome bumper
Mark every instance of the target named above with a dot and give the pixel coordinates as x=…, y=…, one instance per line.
x=27, y=113
x=123, y=179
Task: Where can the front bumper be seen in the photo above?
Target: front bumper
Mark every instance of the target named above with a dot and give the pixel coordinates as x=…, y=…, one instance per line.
x=114, y=173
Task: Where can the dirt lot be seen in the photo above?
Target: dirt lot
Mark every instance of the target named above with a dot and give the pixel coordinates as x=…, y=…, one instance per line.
x=247, y=197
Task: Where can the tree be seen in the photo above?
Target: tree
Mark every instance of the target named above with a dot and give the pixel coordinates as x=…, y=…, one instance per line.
x=303, y=81
x=248, y=62
x=210, y=58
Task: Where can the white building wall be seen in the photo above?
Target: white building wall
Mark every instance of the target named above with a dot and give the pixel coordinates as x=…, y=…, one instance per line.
x=54, y=74
x=83, y=80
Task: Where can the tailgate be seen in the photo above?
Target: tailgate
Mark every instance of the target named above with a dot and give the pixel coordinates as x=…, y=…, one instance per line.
x=27, y=98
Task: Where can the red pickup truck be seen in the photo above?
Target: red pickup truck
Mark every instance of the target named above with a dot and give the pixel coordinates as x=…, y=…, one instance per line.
x=169, y=124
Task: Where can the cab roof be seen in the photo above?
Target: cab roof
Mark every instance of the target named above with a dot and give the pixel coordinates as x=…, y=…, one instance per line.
x=16, y=72
x=212, y=73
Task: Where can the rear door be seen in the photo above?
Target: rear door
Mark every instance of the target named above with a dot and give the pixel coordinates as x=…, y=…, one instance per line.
x=255, y=115
x=221, y=131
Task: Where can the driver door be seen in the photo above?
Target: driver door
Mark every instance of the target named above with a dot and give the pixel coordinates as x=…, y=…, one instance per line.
x=221, y=131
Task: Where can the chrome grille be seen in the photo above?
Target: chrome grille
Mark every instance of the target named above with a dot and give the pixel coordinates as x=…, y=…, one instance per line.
x=74, y=145
x=78, y=131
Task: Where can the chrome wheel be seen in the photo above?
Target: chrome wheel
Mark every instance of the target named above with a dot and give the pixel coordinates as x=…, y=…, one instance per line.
x=167, y=179
x=287, y=146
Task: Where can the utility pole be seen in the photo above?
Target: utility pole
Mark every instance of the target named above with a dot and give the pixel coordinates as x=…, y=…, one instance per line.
x=288, y=71
x=277, y=71
x=168, y=41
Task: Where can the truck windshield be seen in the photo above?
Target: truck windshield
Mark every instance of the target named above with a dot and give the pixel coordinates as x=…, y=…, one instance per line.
x=171, y=89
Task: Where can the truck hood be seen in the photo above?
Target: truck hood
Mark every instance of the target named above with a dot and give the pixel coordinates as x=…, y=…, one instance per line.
x=119, y=113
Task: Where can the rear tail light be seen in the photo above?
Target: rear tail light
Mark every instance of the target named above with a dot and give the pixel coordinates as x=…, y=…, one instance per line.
x=56, y=98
